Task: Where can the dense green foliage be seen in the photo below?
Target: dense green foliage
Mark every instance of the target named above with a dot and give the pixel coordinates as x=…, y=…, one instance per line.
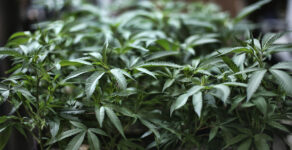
x=162, y=75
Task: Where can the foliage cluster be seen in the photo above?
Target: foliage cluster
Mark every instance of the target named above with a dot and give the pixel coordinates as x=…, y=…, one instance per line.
x=153, y=75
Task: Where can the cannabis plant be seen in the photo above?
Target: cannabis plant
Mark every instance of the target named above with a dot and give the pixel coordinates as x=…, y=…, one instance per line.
x=150, y=75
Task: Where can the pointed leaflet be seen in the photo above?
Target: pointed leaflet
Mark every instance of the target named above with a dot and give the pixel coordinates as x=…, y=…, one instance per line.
x=269, y=39
x=213, y=133
x=182, y=99
x=284, y=80
x=254, y=82
x=179, y=102
x=115, y=120
x=99, y=113
x=224, y=91
x=91, y=83
x=236, y=139
x=76, y=142
x=54, y=126
x=245, y=145
x=119, y=76
x=97, y=131
x=147, y=72
x=161, y=54
x=93, y=141
x=247, y=10
x=160, y=64
x=225, y=51
x=194, y=89
x=78, y=125
x=261, y=104
x=198, y=103
x=151, y=127
x=260, y=142
x=10, y=52
x=64, y=135
x=78, y=72
x=277, y=125
x=167, y=84
x=283, y=65
x=4, y=137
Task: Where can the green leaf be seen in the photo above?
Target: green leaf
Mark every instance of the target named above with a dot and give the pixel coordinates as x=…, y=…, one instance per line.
x=235, y=84
x=19, y=34
x=99, y=113
x=261, y=104
x=194, y=89
x=236, y=139
x=64, y=135
x=213, y=133
x=78, y=124
x=245, y=145
x=160, y=64
x=278, y=126
x=179, y=102
x=230, y=64
x=76, y=142
x=283, y=65
x=91, y=83
x=54, y=127
x=204, y=40
x=254, y=82
x=167, y=84
x=284, y=79
x=167, y=45
x=119, y=76
x=74, y=62
x=198, y=103
x=247, y=10
x=147, y=72
x=79, y=72
x=260, y=142
x=269, y=39
x=97, y=131
x=225, y=51
x=151, y=127
x=93, y=141
x=161, y=54
x=224, y=92
x=4, y=137
x=115, y=120
x=5, y=94
x=10, y=52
